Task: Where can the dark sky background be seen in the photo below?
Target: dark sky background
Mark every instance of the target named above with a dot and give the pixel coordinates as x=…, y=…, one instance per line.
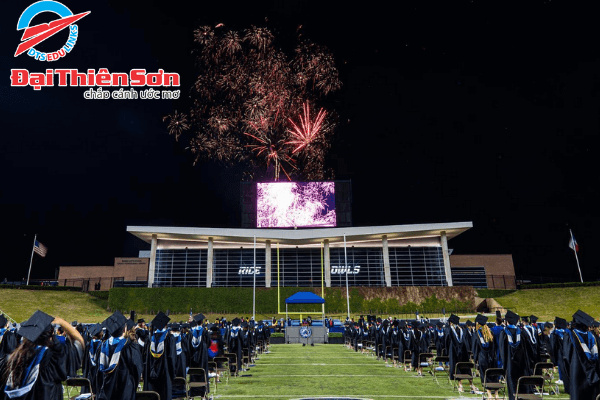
x=482, y=111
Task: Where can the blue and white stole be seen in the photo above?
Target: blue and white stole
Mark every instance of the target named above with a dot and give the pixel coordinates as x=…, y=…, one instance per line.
x=31, y=375
x=406, y=334
x=439, y=332
x=157, y=345
x=589, y=347
x=511, y=342
x=531, y=333
x=484, y=344
x=94, y=343
x=462, y=333
x=108, y=361
x=177, y=336
x=560, y=333
x=2, y=332
x=197, y=335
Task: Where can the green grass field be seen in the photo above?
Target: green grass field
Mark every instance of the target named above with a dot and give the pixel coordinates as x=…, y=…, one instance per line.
x=291, y=371
x=549, y=303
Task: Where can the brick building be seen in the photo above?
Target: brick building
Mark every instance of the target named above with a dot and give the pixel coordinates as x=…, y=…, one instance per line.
x=104, y=277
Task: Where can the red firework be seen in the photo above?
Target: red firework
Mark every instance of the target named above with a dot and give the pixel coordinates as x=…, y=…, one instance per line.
x=308, y=130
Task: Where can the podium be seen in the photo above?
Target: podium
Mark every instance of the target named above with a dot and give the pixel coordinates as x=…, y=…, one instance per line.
x=306, y=334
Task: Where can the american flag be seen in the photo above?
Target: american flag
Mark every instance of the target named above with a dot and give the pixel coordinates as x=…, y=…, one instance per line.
x=573, y=243
x=40, y=249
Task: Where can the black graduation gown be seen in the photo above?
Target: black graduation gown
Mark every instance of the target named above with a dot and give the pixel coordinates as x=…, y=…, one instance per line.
x=485, y=357
x=181, y=359
x=122, y=383
x=395, y=340
x=8, y=343
x=74, y=357
x=384, y=336
x=419, y=344
x=90, y=370
x=532, y=346
x=199, y=359
x=582, y=374
x=556, y=354
x=403, y=343
x=235, y=345
x=53, y=371
x=159, y=372
x=439, y=341
x=514, y=359
x=457, y=347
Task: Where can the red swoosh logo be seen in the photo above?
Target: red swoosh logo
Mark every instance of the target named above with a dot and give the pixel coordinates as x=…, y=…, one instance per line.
x=39, y=33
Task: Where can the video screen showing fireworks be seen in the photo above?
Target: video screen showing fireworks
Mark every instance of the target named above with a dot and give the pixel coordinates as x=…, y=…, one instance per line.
x=295, y=204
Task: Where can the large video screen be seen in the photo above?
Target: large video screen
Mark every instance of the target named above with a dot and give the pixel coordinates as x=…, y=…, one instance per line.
x=295, y=204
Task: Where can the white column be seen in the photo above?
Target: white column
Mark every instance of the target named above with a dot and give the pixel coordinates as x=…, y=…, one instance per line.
x=386, y=262
x=327, y=263
x=268, y=263
x=152, y=266
x=209, y=263
x=446, y=255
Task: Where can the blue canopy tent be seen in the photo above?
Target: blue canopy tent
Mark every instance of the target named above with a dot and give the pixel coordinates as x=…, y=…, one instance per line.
x=304, y=298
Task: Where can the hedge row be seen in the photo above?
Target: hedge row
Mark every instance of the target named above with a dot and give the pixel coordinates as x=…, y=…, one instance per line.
x=493, y=293
x=239, y=300
x=36, y=287
x=559, y=285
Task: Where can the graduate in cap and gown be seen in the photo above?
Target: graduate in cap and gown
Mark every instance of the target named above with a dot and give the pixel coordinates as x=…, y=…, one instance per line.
x=181, y=351
x=161, y=358
x=580, y=353
x=120, y=363
x=8, y=339
x=198, y=346
x=457, y=347
x=439, y=339
x=532, y=344
x=91, y=356
x=513, y=353
x=395, y=340
x=235, y=344
x=419, y=344
x=38, y=366
x=484, y=349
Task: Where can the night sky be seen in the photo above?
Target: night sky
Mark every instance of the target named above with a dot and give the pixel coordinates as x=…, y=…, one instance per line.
x=450, y=111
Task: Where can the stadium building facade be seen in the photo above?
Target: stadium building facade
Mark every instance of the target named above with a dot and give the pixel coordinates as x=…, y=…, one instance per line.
x=377, y=256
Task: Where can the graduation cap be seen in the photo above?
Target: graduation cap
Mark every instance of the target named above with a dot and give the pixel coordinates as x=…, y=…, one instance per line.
x=115, y=323
x=533, y=319
x=560, y=323
x=37, y=324
x=244, y=324
x=3, y=321
x=185, y=326
x=130, y=324
x=440, y=325
x=525, y=319
x=548, y=325
x=141, y=321
x=402, y=324
x=379, y=320
x=386, y=322
x=396, y=322
x=469, y=323
x=236, y=322
x=481, y=319
x=582, y=318
x=215, y=328
x=199, y=318
x=175, y=326
x=161, y=320
x=415, y=324
x=74, y=324
x=511, y=317
x=454, y=319
x=595, y=324
x=95, y=329
x=498, y=314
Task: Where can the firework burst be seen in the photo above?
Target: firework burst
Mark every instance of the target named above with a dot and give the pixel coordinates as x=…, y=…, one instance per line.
x=306, y=133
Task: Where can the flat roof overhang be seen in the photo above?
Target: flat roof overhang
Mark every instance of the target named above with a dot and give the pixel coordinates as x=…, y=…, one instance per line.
x=295, y=237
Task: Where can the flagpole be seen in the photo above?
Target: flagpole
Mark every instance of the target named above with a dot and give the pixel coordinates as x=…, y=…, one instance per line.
x=346, y=269
x=254, y=284
x=31, y=260
x=576, y=258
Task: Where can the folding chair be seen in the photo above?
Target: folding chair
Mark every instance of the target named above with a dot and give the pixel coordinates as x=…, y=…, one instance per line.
x=388, y=353
x=197, y=373
x=223, y=367
x=212, y=370
x=245, y=359
x=181, y=382
x=545, y=370
x=407, y=358
x=379, y=350
x=78, y=383
x=437, y=369
x=433, y=349
x=147, y=395
x=536, y=381
x=465, y=365
x=425, y=360
x=500, y=385
x=232, y=363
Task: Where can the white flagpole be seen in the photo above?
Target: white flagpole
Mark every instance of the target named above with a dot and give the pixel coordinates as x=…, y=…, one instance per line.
x=576, y=258
x=346, y=269
x=254, y=284
x=31, y=261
